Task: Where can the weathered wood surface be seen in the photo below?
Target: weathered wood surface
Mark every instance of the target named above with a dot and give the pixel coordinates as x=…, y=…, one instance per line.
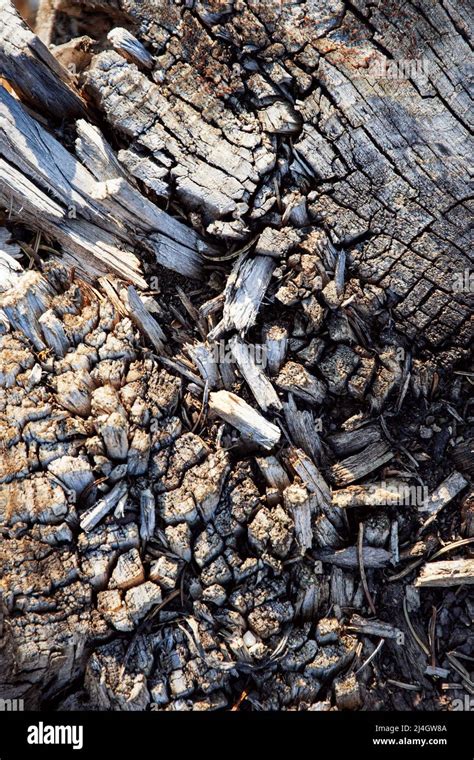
x=302, y=168
x=384, y=129
x=32, y=70
x=447, y=573
x=90, y=217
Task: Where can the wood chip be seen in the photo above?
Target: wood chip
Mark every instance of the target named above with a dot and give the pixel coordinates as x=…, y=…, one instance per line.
x=240, y=415
x=454, y=572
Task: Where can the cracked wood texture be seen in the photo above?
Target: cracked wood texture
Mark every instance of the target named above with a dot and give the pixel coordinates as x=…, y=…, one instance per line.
x=285, y=184
x=381, y=95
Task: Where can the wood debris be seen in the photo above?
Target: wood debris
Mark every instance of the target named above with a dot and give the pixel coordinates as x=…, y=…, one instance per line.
x=234, y=341
x=240, y=415
x=453, y=572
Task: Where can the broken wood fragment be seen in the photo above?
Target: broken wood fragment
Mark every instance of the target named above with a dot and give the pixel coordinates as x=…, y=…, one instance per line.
x=240, y=415
x=442, y=495
x=273, y=472
x=260, y=386
x=244, y=292
x=455, y=572
x=296, y=379
x=302, y=427
x=358, y=465
x=385, y=493
x=91, y=517
x=276, y=346
x=33, y=72
x=378, y=628
x=127, y=45
x=347, y=558
x=91, y=219
x=297, y=502
x=143, y=319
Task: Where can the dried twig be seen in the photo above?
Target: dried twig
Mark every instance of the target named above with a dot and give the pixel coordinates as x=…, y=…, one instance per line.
x=363, y=577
